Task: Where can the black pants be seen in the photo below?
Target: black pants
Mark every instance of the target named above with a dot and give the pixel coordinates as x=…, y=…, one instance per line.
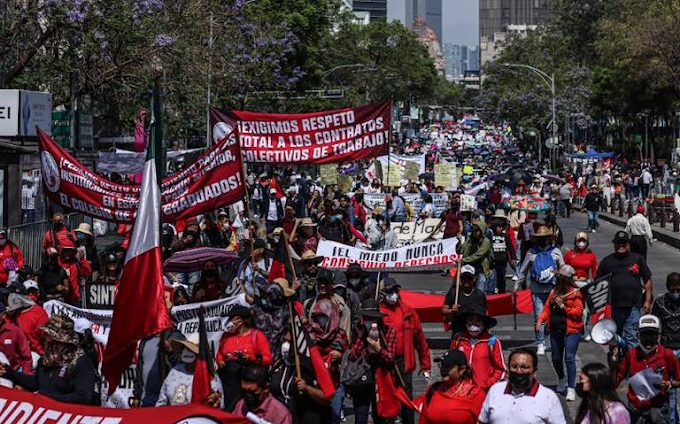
x=500, y=267
x=567, y=206
x=407, y=416
x=638, y=244
x=363, y=400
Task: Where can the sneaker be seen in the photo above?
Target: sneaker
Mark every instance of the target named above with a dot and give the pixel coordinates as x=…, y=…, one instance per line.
x=540, y=350
x=586, y=337
x=515, y=278
x=593, y=231
x=571, y=394
x=561, y=385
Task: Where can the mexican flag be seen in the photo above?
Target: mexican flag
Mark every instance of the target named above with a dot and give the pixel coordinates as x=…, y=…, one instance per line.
x=139, y=310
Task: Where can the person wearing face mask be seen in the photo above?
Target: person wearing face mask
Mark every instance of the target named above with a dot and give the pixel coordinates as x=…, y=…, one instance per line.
x=410, y=338
x=350, y=297
x=28, y=315
x=630, y=287
x=241, y=345
x=9, y=251
x=539, y=269
x=306, y=237
x=656, y=359
x=308, y=277
x=53, y=279
x=584, y=262
x=78, y=269
x=333, y=227
x=521, y=399
x=667, y=308
x=455, y=399
x=475, y=251
x=177, y=386
x=258, y=400
x=59, y=235
x=324, y=290
x=600, y=404
x=359, y=282
x=563, y=315
x=86, y=242
x=274, y=211
x=210, y=286
x=482, y=350
x=470, y=297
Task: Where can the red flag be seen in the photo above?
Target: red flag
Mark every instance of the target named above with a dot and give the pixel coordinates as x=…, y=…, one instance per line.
x=139, y=309
x=390, y=398
x=310, y=357
x=274, y=183
x=204, y=371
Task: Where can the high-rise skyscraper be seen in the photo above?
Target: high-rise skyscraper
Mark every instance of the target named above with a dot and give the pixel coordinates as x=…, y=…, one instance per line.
x=377, y=9
x=496, y=15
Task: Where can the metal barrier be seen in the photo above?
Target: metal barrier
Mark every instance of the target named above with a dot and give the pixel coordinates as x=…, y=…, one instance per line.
x=29, y=237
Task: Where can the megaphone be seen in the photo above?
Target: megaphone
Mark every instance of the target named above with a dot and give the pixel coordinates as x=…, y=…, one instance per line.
x=604, y=333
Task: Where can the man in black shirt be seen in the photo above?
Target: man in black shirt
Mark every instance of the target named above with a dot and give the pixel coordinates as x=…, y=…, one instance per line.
x=630, y=287
x=469, y=298
x=591, y=204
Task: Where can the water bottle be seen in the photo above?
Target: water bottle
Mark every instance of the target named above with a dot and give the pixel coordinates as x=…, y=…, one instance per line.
x=373, y=333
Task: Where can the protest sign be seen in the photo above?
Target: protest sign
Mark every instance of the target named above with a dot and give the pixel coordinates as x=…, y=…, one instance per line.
x=468, y=170
x=345, y=183
x=331, y=136
x=596, y=294
x=411, y=171
x=402, y=161
x=468, y=203
x=445, y=175
x=328, y=174
x=393, y=176
x=212, y=182
x=99, y=295
x=19, y=407
x=185, y=318
x=415, y=257
x=416, y=232
x=415, y=200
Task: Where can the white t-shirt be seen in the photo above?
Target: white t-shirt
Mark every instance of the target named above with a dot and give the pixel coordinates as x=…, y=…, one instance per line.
x=427, y=211
x=537, y=406
x=647, y=177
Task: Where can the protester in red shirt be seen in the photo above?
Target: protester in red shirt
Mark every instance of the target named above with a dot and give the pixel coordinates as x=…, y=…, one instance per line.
x=582, y=259
x=77, y=268
x=410, y=338
x=9, y=252
x=59, y=235
x=210, y=286
x=14, y=345
x=241, y=345
x=648, y=354
x=483, y=351
x=454, y=400
x=28, y=316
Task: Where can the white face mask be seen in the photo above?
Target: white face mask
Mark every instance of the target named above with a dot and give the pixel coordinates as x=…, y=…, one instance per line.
x=581, y=244
x=285, y=348
x=474, y=330
x=187, y=356
x=392, y=298
x=230, y=327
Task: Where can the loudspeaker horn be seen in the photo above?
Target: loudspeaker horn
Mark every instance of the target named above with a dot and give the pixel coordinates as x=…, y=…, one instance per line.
x=604, y=332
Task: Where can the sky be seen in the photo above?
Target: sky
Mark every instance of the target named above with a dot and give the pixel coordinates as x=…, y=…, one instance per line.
x=460, y=22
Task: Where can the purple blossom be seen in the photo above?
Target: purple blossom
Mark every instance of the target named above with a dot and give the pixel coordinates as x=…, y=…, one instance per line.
x=164, y=40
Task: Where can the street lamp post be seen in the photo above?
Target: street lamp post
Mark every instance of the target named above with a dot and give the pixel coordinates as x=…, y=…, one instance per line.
x=549, y=80
x=335, y=68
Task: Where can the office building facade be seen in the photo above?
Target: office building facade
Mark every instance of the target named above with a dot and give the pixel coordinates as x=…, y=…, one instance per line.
x=377, y=9
x=496, y=15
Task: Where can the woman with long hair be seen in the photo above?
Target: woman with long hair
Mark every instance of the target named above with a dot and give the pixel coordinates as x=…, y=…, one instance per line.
x=600, y=404
x=563, y=315
x=584, y=262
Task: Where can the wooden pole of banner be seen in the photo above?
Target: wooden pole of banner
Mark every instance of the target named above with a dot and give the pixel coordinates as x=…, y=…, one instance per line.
x=389, y=143
x=293, y=335
x=460, y=262
x=377, y=287
x=290, y=260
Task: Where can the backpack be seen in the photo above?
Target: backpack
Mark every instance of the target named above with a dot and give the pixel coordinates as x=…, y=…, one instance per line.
x=355, y=373
x=543, y=268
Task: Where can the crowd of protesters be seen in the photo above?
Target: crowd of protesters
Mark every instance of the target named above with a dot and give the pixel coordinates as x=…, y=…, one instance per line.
x=357, y=319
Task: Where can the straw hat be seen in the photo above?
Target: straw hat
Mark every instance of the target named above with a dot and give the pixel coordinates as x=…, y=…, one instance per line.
x=190, y=343
x=84, y=228
x=543, y=231
x=307, y=222
x=500, y=214
x=310, y=256
x=378, y=210
x=287, y=291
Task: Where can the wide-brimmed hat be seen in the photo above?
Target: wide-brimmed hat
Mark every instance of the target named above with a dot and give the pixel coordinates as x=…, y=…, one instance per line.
x=500, y=214
x=310, y=257
x=84, y=228
x=239, y=311
x=287, y=291
x=462, y=316
x=370, y=309
x=190, y=343
x=61, y=329
x=355, y=268
x=542, y=231
x=307, y=222
x=378, y=210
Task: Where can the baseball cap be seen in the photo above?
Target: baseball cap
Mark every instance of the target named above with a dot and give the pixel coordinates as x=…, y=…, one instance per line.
x=259, y=244
x=567, y=271
x=649, y=321
x=390, y=284
x=31, y=284
x=467, y=269
x=621, y=237
x=239, y=311
x=452, y=357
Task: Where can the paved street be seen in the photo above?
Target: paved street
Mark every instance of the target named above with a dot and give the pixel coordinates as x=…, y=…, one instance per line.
x=662, y=259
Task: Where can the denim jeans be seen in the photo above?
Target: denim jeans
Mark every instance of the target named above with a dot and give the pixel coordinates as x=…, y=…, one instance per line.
x=626, y=320
x=485, y=283
x=538, y=300
x=564, y=347
x=592, y=220
x=673, y=417
x=337, y=402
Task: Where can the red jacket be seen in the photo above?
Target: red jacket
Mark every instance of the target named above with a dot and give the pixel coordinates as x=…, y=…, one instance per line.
x=412, y=336
x=573, y=308
x=75, y=271
x=584, y=263
x=635, y=361
x=14, y=345
x=9, y=250
x=65, y=238
x=252, y=346
x=29, y=320
x=487, y=362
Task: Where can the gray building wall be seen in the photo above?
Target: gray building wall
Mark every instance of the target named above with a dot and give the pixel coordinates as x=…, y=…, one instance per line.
x=377, y=8
x=496, y=15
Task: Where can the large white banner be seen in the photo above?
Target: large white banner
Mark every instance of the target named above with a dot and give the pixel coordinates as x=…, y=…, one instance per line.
x=414, y=257
x=185, y=318
x=416, y=232
x=413, y=199
x=400, y=160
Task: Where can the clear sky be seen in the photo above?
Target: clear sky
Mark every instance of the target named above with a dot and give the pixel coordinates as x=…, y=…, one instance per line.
x=461, y=22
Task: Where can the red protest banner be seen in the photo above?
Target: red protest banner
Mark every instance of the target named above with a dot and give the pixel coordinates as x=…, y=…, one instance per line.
x=213, y=181
x=332, y=136
x=23, y=407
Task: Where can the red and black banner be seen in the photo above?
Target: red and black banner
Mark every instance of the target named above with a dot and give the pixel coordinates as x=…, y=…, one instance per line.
x=331, y=136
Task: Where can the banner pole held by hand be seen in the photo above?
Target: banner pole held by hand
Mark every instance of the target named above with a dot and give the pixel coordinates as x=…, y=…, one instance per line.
x=458, y=281
x=298, y=371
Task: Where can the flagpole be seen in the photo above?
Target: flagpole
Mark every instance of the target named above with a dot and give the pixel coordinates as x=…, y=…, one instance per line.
x=246, y=204
x=389, y=142
x=290, y=260
x=458, y=282
x=298, y=370
x=377, y=286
